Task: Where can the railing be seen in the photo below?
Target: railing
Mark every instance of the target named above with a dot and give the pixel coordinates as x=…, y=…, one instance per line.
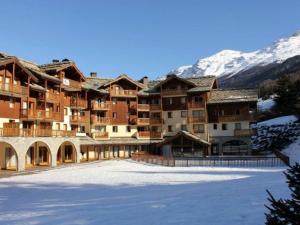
x=155, y=107
x=100, y=106
x=17, y=89
x=100, y=120
x=52, y=115
x=79, y=103
x=149, y=134
x=32, y=114
x=123, y=93
x=143, y=121
x=196, y=119
x=79, y=119
x=174, y=92
x=239, y=161
x=71, y=83
x=195, y=105
x=144, y=107
x=100, y=135
x=38, y=132
x=155, y=120
x=243, y=132
x=230, y=118
x=52, y=96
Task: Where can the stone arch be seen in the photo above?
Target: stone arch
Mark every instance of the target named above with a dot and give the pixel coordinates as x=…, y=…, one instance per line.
x=235, y=147
x=9, y=157
x=67, y=153
x=38, y=153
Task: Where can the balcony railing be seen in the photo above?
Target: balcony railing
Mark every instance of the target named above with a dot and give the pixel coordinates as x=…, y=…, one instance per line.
x=32, y=114
x=79, y=119
x=143, y=107
x=38, y=132
x=100, y=135
x=244, y=132
x=78, y=103
x=174, y=92
x=52, y=115
x=155, y=107
x=143, y=121
x=100, y=106
x=149, y=134
x=16, y=89
x=71, y=83
x=230, y=118
x=196, y=105
x=52, y=96
x=100, y=120
x=130, y=93
x=196, y=119
x=155, y=120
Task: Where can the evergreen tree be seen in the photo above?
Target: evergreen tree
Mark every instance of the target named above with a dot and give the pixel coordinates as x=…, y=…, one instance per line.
x=286, y=211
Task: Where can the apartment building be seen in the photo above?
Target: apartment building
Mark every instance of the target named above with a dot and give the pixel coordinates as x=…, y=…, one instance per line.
x=61, y=116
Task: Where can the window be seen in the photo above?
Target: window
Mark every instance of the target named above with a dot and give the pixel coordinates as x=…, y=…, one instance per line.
x=169, y=114
x=128, y=129
x=57, y=126
x=114, y=101
x=65, y=127
x=183, y=127
x=169, y=101
x=115, y=129
x=198, y=113
x=82, y=129
x=170, y=128
x=114, y=115
x=198, y=99
x=215, y=126
x=224, y=126
x=65, y=111
x=198, y=128
x=182, y=100
x=11, y=103
x=183, y=114
x=238, y=126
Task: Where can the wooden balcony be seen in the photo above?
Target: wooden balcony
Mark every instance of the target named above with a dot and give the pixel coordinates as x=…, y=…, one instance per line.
x=52, y=97
x=78, y=103
x=71, y=83
x=244, y=132
x=79, y=119
x=154, y=107
x=38, y=132
x=149, y=135
x=173, y=92
x=13, y=89
x=100, y=106
x=100, y=135
x=196, y=119
x=143, y=107
x=100, y=120
x=132, y=120
x=31, y=114
x=155, y=121
x=232, y=118
x=49, y=115
x=196, y=105
x=143, y=121
x=124, y=93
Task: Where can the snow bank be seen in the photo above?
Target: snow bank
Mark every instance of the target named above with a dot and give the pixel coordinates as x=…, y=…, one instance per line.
x=293, y=151
x=265, y=105
x=279, y=121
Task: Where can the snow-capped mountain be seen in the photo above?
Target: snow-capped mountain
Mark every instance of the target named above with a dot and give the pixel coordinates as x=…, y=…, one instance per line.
x=230, y=62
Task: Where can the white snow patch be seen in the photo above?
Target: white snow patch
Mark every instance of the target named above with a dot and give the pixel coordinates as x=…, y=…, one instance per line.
x=279, y=121
x=129, y=193
x=293, y=152
x=265, y=105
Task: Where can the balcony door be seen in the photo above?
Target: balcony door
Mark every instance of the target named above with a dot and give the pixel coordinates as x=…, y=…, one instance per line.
x=7, y=83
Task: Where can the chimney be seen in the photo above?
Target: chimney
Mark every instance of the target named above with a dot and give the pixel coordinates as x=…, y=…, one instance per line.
x=93, y=74
x=145, y=80
x=55, y=61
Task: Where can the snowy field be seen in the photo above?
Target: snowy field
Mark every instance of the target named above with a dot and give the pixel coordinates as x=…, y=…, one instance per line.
x=125, y=192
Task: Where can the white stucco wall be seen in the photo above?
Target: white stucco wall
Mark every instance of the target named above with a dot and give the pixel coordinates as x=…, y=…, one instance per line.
x=230, y=128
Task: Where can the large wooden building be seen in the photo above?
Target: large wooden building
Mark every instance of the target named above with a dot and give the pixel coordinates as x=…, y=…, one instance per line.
x=90, y=118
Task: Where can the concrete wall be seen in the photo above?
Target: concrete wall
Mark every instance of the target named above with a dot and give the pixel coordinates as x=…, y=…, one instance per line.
x=230, y=128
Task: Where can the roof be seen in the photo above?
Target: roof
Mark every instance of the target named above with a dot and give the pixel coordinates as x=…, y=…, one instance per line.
x=204, y=83
x=173, y=76
x=233, y=95
x=124, y=76
x=186, y=134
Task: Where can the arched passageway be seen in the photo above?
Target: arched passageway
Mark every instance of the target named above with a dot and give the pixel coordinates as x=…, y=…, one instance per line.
x=38, y=154
x=8, y=157
x=66, y=153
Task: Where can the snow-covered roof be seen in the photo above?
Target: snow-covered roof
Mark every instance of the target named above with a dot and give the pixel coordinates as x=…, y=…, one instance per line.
x=233, y=95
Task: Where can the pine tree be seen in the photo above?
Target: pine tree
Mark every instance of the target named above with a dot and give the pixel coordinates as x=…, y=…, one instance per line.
x=286, y=211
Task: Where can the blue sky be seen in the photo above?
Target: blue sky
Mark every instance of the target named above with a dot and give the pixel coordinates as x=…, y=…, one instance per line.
x=140, y=37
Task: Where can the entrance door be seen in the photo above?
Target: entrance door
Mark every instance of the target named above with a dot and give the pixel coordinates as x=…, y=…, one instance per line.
x=43, y=156
x=116, y=151
x=215, y=149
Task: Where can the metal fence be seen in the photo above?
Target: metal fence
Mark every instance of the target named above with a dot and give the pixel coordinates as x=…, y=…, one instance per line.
x=242, y=161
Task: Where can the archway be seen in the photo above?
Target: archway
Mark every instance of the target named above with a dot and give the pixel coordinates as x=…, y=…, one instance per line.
x=66, y=153
x=38, y=154
x=235, y=147
x=8, y=157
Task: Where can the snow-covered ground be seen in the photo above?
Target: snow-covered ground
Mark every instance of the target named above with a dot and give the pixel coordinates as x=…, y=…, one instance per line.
x=265, y=105
x=293, y=151
x=279, y=121
x=125, y=192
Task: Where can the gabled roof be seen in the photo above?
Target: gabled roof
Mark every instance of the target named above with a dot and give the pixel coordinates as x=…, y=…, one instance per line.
x=124, y=76
x=232, y=95
x=61, y=65
x=204, y=83
x=171, y=77
x=185, y=134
